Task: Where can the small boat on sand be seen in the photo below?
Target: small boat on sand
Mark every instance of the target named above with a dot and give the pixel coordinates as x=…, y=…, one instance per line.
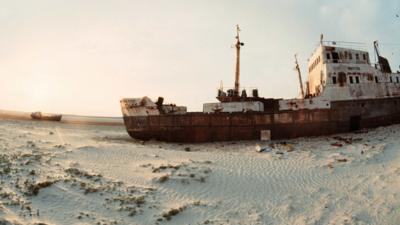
x=46, y=116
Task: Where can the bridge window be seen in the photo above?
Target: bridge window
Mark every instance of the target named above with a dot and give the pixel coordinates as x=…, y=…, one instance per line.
x=357, y=80
x=391, y=80
x=350, y=56
x=335, y=57
x=328, y=56
x=351, y=79
x=357, y=56
x=334, y=80
x=376, y=79
x=397, y=79
x=364, y=57
x=342, y=79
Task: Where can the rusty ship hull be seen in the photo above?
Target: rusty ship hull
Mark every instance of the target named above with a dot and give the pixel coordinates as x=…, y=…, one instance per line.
x=342, y=116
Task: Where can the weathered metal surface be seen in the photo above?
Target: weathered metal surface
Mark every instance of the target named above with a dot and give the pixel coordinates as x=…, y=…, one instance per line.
x=199, y=127
x=298, y=104
x=243, y=106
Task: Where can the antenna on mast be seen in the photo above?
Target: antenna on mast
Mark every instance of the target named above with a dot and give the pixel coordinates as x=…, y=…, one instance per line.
x=299, y=73
x=237, y=71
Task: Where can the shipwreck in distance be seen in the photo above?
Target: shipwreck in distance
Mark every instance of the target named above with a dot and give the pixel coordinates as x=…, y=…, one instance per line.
x=343, y=92
x=46, y=116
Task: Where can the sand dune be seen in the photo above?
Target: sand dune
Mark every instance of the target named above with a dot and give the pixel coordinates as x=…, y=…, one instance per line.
x=57, y=173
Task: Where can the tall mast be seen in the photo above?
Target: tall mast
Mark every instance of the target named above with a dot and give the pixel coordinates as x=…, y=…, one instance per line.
x=237, y=71
x=299, y=72
x=376, y=48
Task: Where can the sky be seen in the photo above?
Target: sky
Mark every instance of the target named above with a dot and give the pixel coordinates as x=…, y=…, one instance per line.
x=83, y=56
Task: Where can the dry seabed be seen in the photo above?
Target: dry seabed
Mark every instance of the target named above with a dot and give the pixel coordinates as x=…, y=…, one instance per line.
x=52, y=173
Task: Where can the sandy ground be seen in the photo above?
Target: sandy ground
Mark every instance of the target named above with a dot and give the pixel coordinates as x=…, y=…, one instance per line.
x=56, y=173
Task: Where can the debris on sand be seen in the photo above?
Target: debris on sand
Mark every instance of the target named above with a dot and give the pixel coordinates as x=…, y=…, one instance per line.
x=281, y=146
x=88, y=190
x=124, y=200
x=183, y=172
x=163, y=178
x=329, y=165
x=30, y=144
x=173, y=212
x=337, y=144
x=341, y=160
x=346, y=140
x=33, y=189
x=81, y=173
x=59, y=146
x=164, y=167
x=289, y=147
x=263, y=149
x=131, y=201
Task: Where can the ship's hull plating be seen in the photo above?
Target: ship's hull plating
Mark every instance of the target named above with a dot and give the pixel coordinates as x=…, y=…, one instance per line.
x=343, y=116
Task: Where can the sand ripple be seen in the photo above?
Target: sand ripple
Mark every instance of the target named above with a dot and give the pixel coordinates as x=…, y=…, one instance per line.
x=90, y=174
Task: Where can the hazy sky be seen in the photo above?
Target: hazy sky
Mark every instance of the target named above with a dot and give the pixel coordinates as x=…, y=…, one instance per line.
x=83, y=56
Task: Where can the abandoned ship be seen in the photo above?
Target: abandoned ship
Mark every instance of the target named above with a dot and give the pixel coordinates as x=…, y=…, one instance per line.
x=344, y=92
x=46, y=116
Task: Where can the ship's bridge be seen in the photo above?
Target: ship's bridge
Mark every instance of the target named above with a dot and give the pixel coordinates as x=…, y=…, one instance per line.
x=339, y=73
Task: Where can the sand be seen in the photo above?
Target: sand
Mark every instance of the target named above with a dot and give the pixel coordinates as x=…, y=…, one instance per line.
x=58, y=173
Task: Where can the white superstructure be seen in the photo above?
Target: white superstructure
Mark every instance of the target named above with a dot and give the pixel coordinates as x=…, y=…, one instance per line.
x=336, y=73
